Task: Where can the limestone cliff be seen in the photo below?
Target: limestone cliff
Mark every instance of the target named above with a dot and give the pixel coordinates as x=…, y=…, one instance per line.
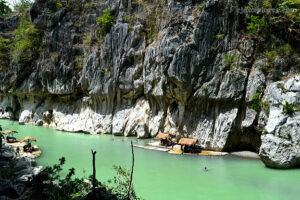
x=175, y=66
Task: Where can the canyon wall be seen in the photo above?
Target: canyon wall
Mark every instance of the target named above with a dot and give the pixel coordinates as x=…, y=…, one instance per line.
x=162, y=69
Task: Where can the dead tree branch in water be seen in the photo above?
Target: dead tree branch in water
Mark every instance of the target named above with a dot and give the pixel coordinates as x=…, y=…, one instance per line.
x=94, y=174
x=130, y=183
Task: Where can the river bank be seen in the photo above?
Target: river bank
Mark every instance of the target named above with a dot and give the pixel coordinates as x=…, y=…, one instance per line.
x=183, y=177
x=16, y=173
x=155, y=146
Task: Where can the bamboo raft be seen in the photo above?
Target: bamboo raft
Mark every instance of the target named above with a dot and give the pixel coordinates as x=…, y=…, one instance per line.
x=178, y=151
x=152, y=148
x=203, y=153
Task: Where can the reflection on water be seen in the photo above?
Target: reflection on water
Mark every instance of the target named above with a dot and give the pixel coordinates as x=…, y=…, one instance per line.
x=161, y=176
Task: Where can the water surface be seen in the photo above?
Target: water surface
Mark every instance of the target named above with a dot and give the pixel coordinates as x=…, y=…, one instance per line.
x=161, y=176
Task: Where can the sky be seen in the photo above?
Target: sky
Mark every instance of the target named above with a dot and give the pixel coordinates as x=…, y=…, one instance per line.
x=11, y=2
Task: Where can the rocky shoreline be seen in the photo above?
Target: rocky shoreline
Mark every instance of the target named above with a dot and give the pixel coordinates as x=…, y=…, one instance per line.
x=16, y=173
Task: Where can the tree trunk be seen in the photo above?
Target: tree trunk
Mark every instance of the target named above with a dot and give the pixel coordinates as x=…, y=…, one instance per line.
x=94, y=174
x=132, y=167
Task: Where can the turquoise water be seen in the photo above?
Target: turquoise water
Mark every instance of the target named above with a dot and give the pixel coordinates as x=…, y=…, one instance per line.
x=161, y=176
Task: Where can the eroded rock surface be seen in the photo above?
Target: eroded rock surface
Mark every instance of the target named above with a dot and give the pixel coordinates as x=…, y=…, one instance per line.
x=134, y=83
x=281, y=144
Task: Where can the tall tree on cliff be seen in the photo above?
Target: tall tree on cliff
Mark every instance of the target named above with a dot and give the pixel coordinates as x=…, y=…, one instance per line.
x=4, y=9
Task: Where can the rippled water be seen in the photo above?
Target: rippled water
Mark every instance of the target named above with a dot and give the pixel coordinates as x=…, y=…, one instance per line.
x=161, y=176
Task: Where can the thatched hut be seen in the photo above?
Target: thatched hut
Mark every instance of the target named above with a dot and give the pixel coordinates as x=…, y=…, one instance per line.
x=189, y=145
x=162, y=136
x=187, y=141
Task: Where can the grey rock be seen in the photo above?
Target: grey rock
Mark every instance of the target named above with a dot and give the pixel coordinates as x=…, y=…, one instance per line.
x=23, y=164
x=142, y=130
x=281, y=149
x=247, y=47
x=39, y=123
x=277, y=152
x=8, y=155
x=256, y=80
x=135, y=84
x=232, y=85
x=249, y=118
x=25, y=117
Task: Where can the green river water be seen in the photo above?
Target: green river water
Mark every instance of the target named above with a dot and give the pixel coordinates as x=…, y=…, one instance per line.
x=159, y=175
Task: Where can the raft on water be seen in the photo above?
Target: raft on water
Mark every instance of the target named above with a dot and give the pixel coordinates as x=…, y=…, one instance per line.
x=178, y=151
x=206, y=153
x=152, y=148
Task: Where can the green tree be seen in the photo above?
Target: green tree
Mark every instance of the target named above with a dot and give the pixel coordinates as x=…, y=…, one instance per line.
x=120, y=184
x=26, y=43
x=4, y=9
x=4, y=54
x=105, y=22
x=68, y=187
x=255, y=24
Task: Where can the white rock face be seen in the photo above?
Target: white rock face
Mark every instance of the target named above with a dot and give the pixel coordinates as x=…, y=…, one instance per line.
x=6, y=107
x=223, y=128
x=256, y=79
x=137, y=120
x=250, y=117
x=280, y=147
x=142, y=130
x=25, y=117
x=6, y=115
x=195, y=79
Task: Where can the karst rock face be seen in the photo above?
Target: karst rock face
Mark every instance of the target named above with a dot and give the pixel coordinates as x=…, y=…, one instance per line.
x=137, y=83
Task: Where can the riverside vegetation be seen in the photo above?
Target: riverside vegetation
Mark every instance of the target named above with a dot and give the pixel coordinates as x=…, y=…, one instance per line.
x=49, y=184
x=198, y=69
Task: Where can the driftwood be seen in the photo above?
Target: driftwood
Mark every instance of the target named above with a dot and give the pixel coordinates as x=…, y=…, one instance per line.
x=132, y=167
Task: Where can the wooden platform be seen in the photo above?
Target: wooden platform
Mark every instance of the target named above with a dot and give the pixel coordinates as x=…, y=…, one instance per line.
x=37, y=153
x=205, y=153
x=157, y=144
x=151, y=148
x=178, y=151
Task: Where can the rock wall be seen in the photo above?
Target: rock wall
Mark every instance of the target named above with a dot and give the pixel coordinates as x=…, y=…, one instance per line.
x=281, y=143
x=15, y=173
x=133, y=84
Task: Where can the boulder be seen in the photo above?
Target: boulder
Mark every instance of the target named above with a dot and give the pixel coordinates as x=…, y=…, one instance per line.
x=142, y=130
x=39, y=122
x=278, y=152
x=25, y=117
